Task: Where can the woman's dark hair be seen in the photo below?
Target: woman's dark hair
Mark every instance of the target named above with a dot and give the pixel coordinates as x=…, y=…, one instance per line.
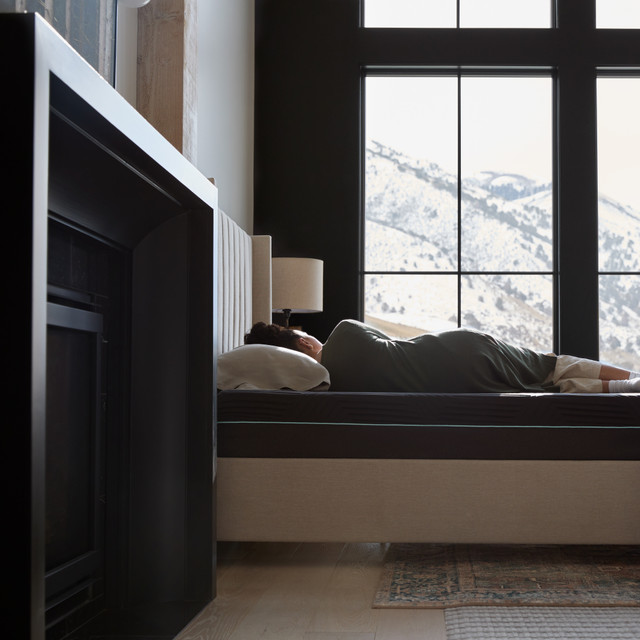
x=273, y=334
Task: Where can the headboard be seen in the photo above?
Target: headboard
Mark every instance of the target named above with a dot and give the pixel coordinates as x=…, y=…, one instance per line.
x=244, y=282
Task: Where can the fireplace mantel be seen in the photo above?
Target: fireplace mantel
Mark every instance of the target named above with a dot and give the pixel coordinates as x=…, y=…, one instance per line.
x=76, y=152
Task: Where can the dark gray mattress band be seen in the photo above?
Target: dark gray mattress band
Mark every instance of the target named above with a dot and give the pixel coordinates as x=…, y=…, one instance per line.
x=284, y=424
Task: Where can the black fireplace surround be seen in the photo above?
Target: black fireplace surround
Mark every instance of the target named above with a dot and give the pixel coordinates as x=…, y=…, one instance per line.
x=108, y=463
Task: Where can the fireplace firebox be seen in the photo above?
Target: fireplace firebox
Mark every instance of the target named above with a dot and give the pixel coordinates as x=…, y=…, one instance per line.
x=87, y=377
x=111, y=481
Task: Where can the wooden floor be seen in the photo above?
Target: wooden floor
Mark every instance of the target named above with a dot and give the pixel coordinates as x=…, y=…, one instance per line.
x=286, y=591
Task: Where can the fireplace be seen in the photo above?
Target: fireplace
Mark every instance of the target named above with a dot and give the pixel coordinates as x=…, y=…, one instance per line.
x=87, y=377
x=112, y=234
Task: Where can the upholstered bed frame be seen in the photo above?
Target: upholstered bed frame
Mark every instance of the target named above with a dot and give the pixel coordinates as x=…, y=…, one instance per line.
x=326, y=466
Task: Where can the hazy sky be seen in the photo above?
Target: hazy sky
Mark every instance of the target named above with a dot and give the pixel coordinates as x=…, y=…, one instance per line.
x=619, y=139
x=442, y=13
x=506, y=126
x=617, y=14
x=506, y=122
x=611, y=14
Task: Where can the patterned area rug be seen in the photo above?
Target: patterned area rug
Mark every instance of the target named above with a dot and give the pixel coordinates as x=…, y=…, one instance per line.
x=442, y=576
x=542, y=623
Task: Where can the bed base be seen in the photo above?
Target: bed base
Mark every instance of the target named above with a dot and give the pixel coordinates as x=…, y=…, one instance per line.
x=465, y=501
x=483, y=468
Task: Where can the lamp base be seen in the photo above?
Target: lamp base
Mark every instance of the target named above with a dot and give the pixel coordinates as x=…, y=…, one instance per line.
x=287, y=318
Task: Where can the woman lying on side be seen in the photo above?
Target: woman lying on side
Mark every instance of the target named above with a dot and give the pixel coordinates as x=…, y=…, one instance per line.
x=361, y=358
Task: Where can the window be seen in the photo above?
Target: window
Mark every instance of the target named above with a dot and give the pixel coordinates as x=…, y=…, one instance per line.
x=505, y=13
x=618, y=14
x=619, y=219
x=458, y=209
x=89, y=27
x=444, y=243
x=409, y=13
x=464, y=13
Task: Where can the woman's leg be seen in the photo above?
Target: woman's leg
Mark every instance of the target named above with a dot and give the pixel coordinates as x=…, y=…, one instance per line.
x=608, y=373
x=581, y=385
x=579, y=375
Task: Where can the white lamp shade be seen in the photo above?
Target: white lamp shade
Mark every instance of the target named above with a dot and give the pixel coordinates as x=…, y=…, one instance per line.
x=296, y=284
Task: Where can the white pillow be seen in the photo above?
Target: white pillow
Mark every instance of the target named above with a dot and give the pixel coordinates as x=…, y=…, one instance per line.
x=263, y=366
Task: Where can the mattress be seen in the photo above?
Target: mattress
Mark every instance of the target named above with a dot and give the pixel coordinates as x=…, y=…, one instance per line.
x=527, y=426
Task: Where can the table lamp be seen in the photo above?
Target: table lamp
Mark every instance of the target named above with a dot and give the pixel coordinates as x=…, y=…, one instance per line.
x=296, y=286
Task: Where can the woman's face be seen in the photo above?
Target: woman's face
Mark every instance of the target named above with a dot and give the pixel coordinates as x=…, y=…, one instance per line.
x=308, y=344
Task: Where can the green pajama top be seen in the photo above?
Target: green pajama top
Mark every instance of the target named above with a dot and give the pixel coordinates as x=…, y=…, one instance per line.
x=361, y=358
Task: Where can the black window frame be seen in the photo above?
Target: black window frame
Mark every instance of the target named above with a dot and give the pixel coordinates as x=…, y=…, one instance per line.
x=459, y=73
x=577, y=53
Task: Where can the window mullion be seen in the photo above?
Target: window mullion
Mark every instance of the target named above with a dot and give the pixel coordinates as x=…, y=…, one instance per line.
x=577, y=212
x=459, y=193
x=578, y=15
x=577, y=193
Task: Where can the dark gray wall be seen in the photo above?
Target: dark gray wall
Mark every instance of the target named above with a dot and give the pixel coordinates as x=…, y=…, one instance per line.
x=307, y=143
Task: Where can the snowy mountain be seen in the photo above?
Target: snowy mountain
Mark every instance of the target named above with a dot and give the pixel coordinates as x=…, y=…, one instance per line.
x=411, y=225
